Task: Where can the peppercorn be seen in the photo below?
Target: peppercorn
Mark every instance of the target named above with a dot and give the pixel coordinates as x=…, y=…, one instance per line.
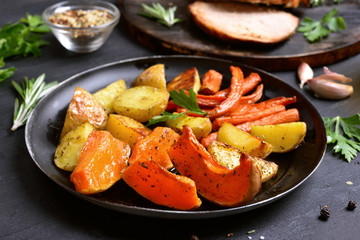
x=324, y=213
x=351, y=205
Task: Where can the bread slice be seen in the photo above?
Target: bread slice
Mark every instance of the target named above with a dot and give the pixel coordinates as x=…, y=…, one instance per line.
x=241, y=22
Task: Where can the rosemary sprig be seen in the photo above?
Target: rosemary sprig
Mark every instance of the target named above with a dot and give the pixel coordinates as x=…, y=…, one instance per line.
x=158, y=12
x=30, y=93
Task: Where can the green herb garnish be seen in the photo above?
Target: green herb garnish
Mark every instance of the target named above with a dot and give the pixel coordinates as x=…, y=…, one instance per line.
x=183, y=100
x=315, y=30
x=164, y=117
x=23, y=37
x=316, y=3
x=30, y=93
x=158, y=12
x=6, y=72
x=349, y=143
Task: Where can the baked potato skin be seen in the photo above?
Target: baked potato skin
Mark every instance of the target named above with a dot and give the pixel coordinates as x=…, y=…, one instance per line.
x=68, y=151
x=141, y=103
x=244, y=141
x=126, y=129
x=283, y=137
x=153, y=76
x=201, y=126
x=83, y=108
x=107, y=95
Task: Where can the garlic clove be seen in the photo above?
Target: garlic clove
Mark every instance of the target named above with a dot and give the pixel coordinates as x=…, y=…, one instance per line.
x=329, y=89
x=304, y=73
x=333, y=76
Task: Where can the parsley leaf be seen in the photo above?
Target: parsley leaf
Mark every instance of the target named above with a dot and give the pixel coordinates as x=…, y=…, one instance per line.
x=315, y=30
x=183, y=100
x=6, y=72
x=23, y=37
x=164, y=117
x=349, y=143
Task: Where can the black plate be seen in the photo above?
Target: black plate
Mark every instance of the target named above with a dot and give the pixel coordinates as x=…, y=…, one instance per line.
x=45, y=123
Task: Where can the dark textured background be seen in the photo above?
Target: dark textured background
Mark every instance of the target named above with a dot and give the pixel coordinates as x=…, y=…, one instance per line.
x=34, y=207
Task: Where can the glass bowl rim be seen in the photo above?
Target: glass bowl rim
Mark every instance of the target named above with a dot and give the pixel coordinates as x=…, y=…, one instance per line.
x=113, y=10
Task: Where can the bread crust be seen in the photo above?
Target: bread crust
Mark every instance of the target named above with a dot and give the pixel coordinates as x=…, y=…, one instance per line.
x=240, y=22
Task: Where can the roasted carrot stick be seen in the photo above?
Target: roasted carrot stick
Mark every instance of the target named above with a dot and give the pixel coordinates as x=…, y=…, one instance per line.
x=235, y=120
x=154, y=147
x=250, y=82
x=234, y=94
x=291, y=115
x=250, y=108
x=252, y=98
x=211, y=82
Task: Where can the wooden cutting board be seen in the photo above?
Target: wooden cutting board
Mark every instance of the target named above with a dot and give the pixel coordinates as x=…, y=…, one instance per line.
x=187, y=38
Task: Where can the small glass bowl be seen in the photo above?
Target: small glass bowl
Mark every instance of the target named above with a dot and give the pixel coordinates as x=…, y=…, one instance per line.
x=81, y=39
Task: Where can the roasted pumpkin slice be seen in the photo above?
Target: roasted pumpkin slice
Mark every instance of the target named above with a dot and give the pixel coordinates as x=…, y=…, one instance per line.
x=155, y=146
x=186, y=80
x=83, y=108
x=229, y=157
x=216, y=183
x=100, y=163
x=160, y=186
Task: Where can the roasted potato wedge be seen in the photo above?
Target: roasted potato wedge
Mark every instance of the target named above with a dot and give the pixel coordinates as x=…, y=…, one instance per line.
x=229, y=157
x=283, y=137
x=83, y=108
x=268, y=169
x=153, y=76
x=186, y=80
x=201, y=126
x=141, y=103
x=68, y=151
x=244, y=141
x=126, y=129
x=107, y=95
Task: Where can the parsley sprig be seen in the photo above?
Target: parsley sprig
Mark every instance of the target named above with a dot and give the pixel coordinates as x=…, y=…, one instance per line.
x=315, y=30
x=158, y=12
x=31, y=91
x=349, y=143
x=183, y=100
x=6, y=72
x=23, y=37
